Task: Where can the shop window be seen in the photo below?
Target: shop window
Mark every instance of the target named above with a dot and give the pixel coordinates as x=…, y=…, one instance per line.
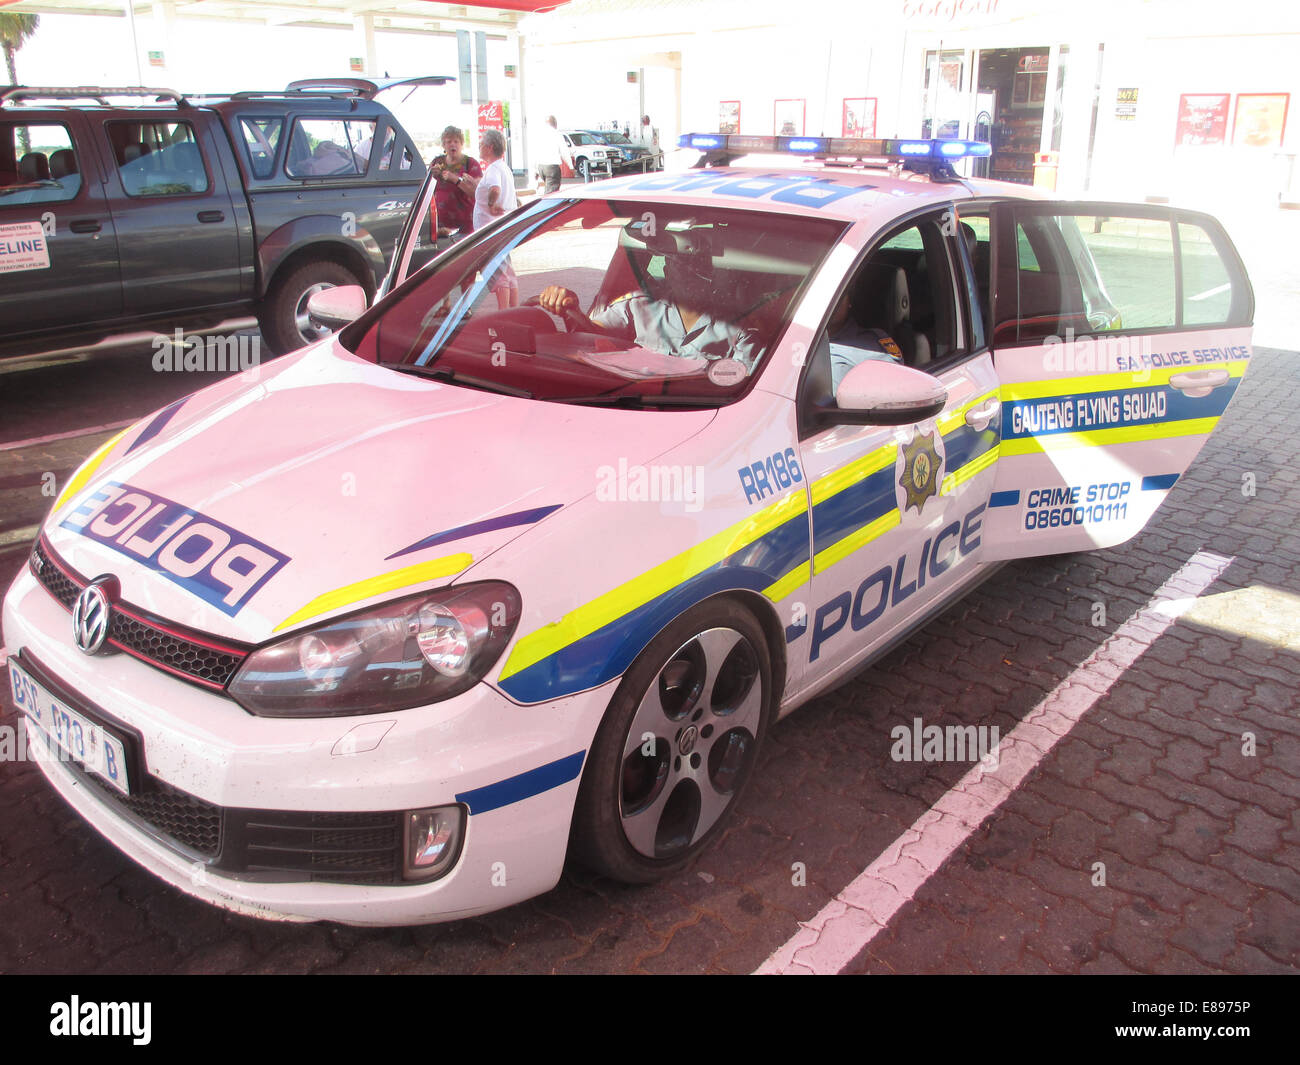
x=157, y=158
x=37, y=164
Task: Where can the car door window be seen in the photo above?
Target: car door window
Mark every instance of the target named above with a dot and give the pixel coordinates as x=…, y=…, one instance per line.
x=899, y=305
x=1082, y=273
x=157, y=158
x=38, y=164
x=261, y=138
x=330, y=147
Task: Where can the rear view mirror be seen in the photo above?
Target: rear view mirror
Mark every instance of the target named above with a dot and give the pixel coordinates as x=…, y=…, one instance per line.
x=333, y=308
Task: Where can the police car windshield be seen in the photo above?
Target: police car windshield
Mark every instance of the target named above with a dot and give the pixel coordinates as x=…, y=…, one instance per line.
x=602, y=301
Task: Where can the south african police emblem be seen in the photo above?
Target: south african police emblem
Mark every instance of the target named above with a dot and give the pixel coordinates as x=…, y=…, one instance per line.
x=921, y=471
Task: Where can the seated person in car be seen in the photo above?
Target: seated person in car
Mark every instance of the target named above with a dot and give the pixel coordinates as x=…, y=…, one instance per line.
x=673, y=325
x=852, y=343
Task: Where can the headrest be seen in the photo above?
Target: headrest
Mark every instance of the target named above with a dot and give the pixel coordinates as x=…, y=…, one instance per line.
x=62, y=163
x=880, y=300
x=34, y=167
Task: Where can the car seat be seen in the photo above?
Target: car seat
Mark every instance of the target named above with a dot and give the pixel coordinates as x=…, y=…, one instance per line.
x=881, y=301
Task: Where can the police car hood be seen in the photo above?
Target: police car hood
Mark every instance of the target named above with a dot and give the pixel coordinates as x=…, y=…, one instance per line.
x=322, y=483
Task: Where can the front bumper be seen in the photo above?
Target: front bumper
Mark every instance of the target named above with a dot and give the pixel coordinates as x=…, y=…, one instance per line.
x=514, y=769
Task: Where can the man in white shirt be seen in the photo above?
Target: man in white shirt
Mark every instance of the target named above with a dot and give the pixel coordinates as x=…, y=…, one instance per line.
x=550, y=152
x=494, y=196
x=671, y=326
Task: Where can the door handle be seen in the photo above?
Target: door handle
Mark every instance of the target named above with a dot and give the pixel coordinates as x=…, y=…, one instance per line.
x=86, y=225
x=979, y=417
x=1197, y=383
x=212, y=216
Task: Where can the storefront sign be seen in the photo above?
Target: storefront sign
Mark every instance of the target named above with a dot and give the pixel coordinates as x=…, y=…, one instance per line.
x=1202, y=119
x=1126, y=104
x=491, y=116
x=947, y=10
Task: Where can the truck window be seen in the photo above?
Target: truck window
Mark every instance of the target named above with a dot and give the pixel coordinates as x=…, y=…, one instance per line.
x=330, y=147
x=158, y=158
x=261, y=138
x=37, y=163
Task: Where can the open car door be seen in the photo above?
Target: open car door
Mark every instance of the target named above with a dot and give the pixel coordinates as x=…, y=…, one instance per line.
x=1119, y=335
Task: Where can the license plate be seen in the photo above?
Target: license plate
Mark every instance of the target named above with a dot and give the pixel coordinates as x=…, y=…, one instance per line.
x=65, y=730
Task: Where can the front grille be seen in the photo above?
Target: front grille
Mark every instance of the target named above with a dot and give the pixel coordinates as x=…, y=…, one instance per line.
x=350, y=848
x=181, y=817
x=56, y=582
x=195, y=657
x=213, y=667
x=280, y=845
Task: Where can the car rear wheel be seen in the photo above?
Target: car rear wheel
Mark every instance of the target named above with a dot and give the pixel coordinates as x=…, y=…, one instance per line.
x=283, y=318
x=677, y=746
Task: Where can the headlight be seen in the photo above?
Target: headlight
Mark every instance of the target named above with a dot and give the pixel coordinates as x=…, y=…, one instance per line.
x=410, y=652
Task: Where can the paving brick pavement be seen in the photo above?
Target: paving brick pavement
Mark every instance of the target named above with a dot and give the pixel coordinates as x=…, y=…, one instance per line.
x=1200, y=841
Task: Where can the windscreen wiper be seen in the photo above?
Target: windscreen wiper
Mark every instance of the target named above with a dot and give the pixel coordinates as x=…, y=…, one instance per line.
x=638, y=400
x=442, y=373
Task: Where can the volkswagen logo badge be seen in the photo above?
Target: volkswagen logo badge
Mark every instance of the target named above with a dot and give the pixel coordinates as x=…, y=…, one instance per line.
x=90, y=615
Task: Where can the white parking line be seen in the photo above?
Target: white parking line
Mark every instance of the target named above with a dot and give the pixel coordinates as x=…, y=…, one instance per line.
x=847, y=923
x=33, y=441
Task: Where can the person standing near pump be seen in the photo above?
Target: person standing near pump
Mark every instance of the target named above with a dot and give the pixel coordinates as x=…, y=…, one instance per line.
x=550, y=153
x=495, y=196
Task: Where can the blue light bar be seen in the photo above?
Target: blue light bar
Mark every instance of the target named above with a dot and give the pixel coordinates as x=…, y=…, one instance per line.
x=936, y=152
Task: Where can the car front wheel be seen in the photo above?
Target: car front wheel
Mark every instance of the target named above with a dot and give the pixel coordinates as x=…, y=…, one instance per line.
x=284, y=321
x=677, y=746
x=584, y=169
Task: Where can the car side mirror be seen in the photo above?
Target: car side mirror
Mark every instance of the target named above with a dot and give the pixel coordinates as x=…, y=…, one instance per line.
x=333, y=308
x=883, y=393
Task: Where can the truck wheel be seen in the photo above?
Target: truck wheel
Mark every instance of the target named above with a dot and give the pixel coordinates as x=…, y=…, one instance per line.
x=584, y=169
x=283, y=315
x=677, y=746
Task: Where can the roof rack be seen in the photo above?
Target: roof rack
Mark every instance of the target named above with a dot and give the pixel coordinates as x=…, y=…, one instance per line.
x=97, y=93
x=933, y=157
x=296, y=94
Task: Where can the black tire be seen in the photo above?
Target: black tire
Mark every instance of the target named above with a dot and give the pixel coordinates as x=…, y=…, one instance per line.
x=283, y=314
x=703, y=688
x=584, y=169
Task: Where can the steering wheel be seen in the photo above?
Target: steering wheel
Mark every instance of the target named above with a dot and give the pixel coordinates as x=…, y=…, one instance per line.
x=573, y=319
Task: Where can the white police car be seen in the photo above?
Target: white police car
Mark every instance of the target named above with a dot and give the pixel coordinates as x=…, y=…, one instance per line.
x=526, y=562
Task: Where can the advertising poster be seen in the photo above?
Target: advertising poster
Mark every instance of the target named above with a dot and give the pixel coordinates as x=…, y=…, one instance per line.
x=1260, y=119
x=788, y=118
x=729, y=116
x=1202, y=119
x=859, y=117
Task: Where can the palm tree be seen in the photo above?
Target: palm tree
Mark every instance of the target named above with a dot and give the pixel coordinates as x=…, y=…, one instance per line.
x=15, y=31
